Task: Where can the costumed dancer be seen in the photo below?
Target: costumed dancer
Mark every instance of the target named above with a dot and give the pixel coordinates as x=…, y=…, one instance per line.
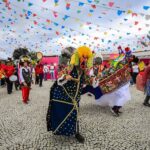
x=25, y=78
x=62, y=115
x=120, y=79
x=115, y=99
x=92, y=87
x=9, y=71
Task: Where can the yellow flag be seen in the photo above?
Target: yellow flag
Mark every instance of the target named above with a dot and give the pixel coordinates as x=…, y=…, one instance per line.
x=129, y=12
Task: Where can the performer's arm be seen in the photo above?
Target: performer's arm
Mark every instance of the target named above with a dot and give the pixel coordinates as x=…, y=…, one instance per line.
x=64, y=76
x=95, y=82
x=22, y=81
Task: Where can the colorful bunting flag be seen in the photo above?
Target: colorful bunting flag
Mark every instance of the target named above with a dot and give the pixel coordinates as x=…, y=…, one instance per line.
x=56, y=2
x=146, y=7
x=65, y=17
x=68, y=6
x=110, y=4
x=30, y=4
x=89, y=1
x=136, y=23
x=81, y=4
x=119, y=12
x=55, y=14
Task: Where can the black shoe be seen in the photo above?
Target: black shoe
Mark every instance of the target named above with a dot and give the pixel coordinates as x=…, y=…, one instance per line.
x=80, y=138
x=146, y=104
x=115, y=113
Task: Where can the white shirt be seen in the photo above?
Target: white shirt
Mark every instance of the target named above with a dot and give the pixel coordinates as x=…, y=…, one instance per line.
x=135, y=69
x=46, y=69
x=52, y=68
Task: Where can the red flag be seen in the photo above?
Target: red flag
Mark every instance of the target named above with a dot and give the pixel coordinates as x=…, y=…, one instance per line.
x=35, y=23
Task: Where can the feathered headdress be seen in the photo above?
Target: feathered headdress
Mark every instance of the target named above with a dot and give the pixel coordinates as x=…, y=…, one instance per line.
x=25, y=58
x=82, y=53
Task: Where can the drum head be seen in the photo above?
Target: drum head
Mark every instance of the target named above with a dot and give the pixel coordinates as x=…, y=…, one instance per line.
x=13, y=78
x=39, y=55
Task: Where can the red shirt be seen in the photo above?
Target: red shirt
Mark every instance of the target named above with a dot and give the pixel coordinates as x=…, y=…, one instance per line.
x=36, y=69
x=9, y=70
x=39, y=69
x=2, y=66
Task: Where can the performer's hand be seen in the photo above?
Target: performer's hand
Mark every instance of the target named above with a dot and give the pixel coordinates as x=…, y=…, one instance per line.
x=24, y=84
x=68, y=77
x=32, y=82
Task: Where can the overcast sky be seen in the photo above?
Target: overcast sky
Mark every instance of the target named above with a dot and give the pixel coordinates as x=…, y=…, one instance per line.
x=43, y=26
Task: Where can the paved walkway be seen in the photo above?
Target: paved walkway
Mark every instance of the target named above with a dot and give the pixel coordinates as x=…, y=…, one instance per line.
x=23, y=127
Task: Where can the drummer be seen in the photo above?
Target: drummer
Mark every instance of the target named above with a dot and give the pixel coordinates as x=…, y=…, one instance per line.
x=9, y=71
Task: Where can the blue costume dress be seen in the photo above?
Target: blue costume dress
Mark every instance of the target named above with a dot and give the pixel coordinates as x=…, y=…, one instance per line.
x=63, y=106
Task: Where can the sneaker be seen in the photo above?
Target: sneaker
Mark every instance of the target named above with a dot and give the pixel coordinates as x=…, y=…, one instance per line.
x=80, y=138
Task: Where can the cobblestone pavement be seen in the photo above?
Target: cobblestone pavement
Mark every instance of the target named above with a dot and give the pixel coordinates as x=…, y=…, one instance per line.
x=23, y=127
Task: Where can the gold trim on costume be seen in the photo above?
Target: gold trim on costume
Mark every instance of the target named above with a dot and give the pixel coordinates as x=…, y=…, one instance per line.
x=60, y=101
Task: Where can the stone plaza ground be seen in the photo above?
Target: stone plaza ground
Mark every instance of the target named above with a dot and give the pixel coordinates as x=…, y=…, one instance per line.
x=23, y=127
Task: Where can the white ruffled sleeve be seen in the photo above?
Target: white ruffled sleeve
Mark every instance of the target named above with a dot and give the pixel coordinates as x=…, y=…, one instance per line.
x=61, y=80
x=95, y=83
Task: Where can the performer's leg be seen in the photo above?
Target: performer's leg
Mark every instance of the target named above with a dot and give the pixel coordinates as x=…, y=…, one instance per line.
x=78, y=136
x=26, y=94
x=37, y=79
x=8, y=86
x=146, y=101
x=134, y=77
x=41, y=79
x=28, y=91
x=16, y=85
x=11, y=86
x=23, y=94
